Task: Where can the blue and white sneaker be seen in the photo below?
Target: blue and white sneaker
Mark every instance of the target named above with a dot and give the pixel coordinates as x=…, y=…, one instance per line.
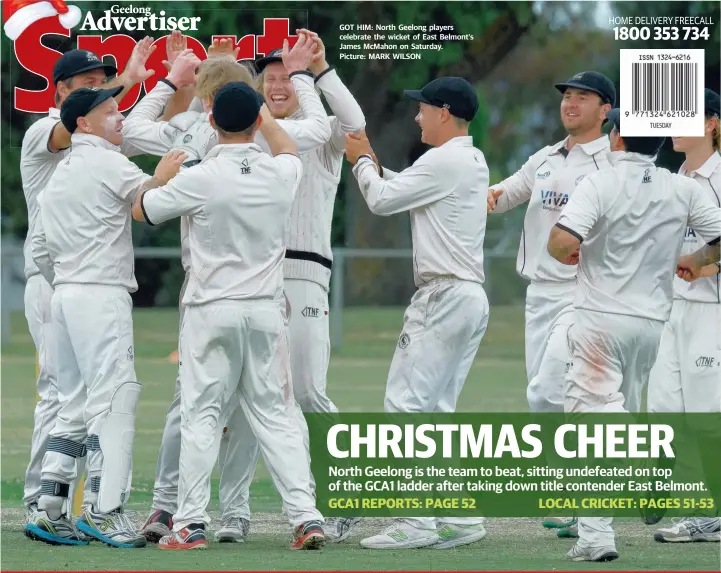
x=59, y=531
x=114, y=528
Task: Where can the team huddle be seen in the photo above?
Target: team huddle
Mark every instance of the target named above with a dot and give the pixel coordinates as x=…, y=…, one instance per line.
x=623, y=283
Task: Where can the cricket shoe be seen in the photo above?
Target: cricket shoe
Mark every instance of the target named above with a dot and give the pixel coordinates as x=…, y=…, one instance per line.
x=559, y=522
x=157, y=526
x=233, y=530
x=114, y=528
x=570, y=532
x=597, y=554
x=401, y=535
x=30, y=512
x=61, y=531
x=337, y=529
x=691, y=529
x=191, y=537
x=308, y=536
x=454, y=535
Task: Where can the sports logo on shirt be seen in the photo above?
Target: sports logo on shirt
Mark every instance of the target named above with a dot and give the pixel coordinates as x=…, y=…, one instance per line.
x=404, y=341
x=646, y=176
x=245, y=168
x=553, y=200
x=545, y=175
x=188, y=138
x=310, y=312
x=705, y=361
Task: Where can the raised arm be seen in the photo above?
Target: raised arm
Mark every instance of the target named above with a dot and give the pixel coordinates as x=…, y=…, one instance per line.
x=575, y=223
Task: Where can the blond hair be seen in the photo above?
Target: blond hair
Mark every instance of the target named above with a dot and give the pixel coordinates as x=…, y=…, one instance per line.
x=214, y=73
x=716, y=134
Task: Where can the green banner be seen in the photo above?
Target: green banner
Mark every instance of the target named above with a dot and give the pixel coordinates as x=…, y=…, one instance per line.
x=516, y=465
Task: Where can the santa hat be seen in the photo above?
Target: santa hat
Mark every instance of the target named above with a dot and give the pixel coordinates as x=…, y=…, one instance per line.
x=20, y=14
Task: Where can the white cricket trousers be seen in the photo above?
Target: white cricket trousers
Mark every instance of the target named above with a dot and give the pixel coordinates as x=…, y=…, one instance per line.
x=94, y=355
x=549, y=314
x=236, y=352
x=687, y=374
x=38, y=296
x=442, y=330
x=612, y=356
x=309, y=339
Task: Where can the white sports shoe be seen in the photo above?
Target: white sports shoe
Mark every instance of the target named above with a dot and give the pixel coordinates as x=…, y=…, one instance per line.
x=578, y=553
x=337, y=529
x=401, y=535
x=454, y=535
x=690, y=529
x=233, y=530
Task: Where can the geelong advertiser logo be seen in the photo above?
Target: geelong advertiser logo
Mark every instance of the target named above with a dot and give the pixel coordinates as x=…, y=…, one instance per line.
x=107, y=35
x=135, y=18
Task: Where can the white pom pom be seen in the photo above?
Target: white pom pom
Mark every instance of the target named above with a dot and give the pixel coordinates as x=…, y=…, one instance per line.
x=72, y=18
x=27, y=15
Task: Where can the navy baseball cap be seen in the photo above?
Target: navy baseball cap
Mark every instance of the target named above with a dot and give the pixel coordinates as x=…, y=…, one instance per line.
x=645, y=145
x=76, y=62
x=81, y=102
x=236, y=106
x=712, y=103
x=455, y=94
x=594, y=82
x=274, y=56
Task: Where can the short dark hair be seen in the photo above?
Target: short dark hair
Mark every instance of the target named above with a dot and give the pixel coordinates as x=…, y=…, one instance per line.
x=644, y=145
x=231, y=134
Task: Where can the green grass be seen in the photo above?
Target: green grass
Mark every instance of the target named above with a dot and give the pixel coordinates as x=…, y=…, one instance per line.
x=356, y=382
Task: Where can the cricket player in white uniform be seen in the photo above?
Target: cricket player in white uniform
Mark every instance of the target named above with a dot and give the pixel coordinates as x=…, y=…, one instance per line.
x=45, y=144
x=546, y=181
x=307, y=269
x=82, y=245
x=443, y=192
x=233, y=344
x=191, y=132
x=687, y=374
x=629, y=221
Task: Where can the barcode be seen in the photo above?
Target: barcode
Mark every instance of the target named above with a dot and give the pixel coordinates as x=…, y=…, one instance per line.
x=664, y=87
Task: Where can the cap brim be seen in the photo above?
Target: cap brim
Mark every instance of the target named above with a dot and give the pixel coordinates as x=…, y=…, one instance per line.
x=416, y=95
x=563, y=87
x=104, y=95
x=109, y=70
x=261, y=64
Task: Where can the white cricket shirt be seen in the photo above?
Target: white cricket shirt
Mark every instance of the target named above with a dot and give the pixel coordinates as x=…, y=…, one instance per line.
x=237, y=201
x=86, y=215
x=631, y=218
x=707, y=289
x=445, y=191
x=37, y=164
x=546, y=181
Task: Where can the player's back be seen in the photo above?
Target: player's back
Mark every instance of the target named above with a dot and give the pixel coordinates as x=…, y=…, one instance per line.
x=86, y=222
x=237, y=239
x=628, y=260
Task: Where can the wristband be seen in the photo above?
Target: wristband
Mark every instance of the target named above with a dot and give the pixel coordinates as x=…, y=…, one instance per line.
x=324, y=72
x=300, y=72
x=167, y=82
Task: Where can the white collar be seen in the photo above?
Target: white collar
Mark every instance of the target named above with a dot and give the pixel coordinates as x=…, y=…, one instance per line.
x=589, y=148
x=707, y=169
x=615, y=157
x=92, y=140
x=233, y=149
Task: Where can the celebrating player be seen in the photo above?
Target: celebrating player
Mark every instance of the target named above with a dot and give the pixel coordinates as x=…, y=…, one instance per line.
x=629, y=221
x=45, y=145
x=233, y=344
x=546, y=181
x=443, y=192
x=680, y=381
x=82, y=245
x=307, y=269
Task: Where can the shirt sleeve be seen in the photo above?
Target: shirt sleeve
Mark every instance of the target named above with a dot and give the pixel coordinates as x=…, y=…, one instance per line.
x=422, y=183
x=35, y=145
x=125, y=179
x=185, y=194
x=518, y=188
x=704, y=217
x=142, y=133
x=582, y=211
x=348, y=114
x=289, y=168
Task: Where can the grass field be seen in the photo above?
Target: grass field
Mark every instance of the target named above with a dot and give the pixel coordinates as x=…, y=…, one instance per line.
x=356, y=382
